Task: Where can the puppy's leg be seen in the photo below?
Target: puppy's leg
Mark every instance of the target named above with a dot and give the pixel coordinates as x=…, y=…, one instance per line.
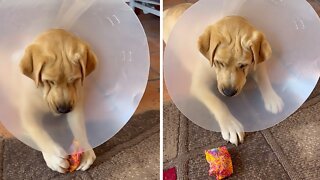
x=231, y=129
x=77, y=124
x=272, y=101
x=53, y=154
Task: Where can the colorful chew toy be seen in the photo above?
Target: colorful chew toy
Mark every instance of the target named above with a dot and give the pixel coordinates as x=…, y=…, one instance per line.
x=220, y=162
x=75, y=158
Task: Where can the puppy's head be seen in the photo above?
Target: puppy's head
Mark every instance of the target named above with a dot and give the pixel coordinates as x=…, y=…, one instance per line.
x=58, y=62
x=233, y=47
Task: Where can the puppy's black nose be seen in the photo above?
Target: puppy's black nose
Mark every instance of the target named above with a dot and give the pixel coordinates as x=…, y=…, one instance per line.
x=63, y=109
x=229, y=91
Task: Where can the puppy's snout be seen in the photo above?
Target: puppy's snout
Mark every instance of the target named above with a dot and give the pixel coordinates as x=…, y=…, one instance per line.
x=64, y=108
x=229, y=91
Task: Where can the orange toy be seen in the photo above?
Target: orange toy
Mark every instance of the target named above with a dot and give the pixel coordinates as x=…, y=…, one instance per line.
x=75, y=158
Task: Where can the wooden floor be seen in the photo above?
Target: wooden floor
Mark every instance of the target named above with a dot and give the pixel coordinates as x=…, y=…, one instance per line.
x=151, y=98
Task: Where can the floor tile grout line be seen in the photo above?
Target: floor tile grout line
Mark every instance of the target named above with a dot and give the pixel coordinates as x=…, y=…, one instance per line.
x=171, y=162
x=199, y=150
x=178, y=131
x=180, y=135
x=279, y=154
x=179, y=167
x=182, y=150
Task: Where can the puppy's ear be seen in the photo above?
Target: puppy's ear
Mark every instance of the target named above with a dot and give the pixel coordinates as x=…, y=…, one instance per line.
x=260, y=48
x=208, y=42
x=91, y=61
x=89, y=64
x=30, y=65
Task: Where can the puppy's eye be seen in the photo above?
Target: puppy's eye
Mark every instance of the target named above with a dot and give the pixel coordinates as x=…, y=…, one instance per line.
x=73, y=80
x=52, y=83
x=220, y=64
x=243, y=66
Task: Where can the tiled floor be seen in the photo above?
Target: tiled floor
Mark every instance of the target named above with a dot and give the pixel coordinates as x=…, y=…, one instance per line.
x=289, y=150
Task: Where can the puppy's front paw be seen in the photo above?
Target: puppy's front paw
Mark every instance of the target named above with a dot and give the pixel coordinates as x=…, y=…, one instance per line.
x=273, y=103
x=231, y=129
x=58, y=163
x=87, y=159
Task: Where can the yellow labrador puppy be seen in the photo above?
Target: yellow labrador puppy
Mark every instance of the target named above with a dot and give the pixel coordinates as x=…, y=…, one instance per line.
x=58, y=63
x=234, y=49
